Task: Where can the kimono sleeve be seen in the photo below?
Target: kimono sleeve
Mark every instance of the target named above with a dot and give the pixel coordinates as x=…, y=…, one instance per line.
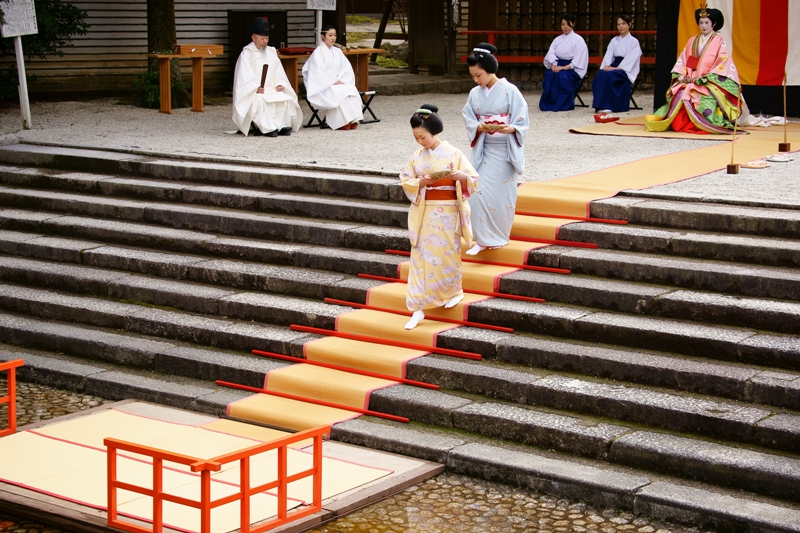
x=551, y=58
x=471, y=121
x=518, y=111
x=410, y=181
x=580, y=61
x=609, y=57
x=462, y=163
x=633, y=55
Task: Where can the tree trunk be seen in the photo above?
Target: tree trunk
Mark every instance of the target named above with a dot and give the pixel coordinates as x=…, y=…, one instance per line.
x=161, y=35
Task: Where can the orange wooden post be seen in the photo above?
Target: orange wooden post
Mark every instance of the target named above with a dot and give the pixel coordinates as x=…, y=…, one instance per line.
x=282, y=488
x=205, y=509
x=111, y=457
x=165, y=85
x=11, y=395
x=317, y=500
x=244, y=487
x=158, y=502
x=197, y=84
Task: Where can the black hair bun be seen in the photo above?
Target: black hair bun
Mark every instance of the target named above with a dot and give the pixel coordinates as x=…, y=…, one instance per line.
x=486, y=46
x=430, y=107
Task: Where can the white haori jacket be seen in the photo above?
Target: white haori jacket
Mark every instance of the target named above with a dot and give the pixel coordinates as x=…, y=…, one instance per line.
x=571, y=47
x=271, y=110
x=627, y=47
x=323, y=69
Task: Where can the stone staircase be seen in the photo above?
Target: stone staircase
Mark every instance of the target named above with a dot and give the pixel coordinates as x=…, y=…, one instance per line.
x=662, y=375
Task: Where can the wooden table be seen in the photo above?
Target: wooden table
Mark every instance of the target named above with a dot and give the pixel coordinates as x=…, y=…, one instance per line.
x=198, y=52
x=359, y=59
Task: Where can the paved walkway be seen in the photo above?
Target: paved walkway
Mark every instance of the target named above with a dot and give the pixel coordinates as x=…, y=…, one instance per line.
x=384, y=147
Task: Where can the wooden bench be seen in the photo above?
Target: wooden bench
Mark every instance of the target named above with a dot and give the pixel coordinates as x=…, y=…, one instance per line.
x=366, y=99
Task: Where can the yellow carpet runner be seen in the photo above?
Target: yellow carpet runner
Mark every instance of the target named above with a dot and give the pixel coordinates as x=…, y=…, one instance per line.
x=566, y=197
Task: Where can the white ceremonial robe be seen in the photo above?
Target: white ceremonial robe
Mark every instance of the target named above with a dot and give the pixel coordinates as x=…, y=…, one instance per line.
x=571, y=47
x=272, y=110
x=627, y=47
x=342, y=103
x=498, y=158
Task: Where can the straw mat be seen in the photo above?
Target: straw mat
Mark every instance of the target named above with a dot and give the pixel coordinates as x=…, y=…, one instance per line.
x=379, y=358
x=390, y=326
x=474, y=276
x=286, y=413
x=572, y=196
x=393, y=296
x=325, y=384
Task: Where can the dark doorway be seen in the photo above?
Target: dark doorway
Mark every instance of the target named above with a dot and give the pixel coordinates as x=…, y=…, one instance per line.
x=239, y=24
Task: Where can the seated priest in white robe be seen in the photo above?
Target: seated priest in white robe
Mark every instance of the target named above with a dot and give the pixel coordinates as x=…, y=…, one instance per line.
x=272, y=109
x=331, y=84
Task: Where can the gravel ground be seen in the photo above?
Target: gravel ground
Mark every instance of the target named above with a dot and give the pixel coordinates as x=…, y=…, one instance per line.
x=447, y=503
x=384, y=147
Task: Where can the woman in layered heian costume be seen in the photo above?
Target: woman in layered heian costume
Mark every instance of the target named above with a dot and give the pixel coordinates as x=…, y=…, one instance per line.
x=620, y=67
x=331, y=84
x=438, y=180
x=704, y=96
x=496, y=117
x=566, y=63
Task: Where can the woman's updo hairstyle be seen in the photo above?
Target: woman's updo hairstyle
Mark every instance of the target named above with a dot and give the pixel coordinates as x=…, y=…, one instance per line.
x=426, y=117
x=627, y=18
x=483, y=56
x=570, y=18
x=326, y=28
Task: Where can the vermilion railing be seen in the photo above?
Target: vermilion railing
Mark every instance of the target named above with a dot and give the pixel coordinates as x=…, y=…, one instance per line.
x=11, y=396
x=205, y=467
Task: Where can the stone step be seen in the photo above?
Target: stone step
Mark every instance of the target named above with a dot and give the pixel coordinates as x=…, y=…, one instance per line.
x=684, y=413
x=582, y=324
x=596, y=482
x=716, y=276
x=352, y=184
x=622, y=296
x=209, y=219
x=257, y=200
x=751, y=384
x=701, y=216
x=687, y=243
x=712, y=463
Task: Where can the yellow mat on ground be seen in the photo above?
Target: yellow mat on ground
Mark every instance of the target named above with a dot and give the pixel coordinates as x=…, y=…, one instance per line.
x=474, y=276
x=572, y=196
x=77, y=473
x=176, y=438
x=325, y=384
x=379, y=358
x=634, y=127
x=286, y=413
x=537, y=227
x=248, y=431
x=393, y=296
x=390, y=326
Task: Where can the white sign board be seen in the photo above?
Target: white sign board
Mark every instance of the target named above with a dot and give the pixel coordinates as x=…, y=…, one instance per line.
x=19, y=18
x=322, y=5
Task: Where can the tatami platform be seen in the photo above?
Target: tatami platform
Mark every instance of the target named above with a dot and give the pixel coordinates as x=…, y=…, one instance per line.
x=56, y=471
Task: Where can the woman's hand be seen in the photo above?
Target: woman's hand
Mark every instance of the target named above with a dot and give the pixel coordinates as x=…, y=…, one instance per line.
x=555, y=68
x=459, y=175
x=508, y=129
x=425, y=180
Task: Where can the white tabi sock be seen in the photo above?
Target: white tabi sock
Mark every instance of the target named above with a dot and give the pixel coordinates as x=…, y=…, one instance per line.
x=454, y=301
x=415, y=318
x=475, y=249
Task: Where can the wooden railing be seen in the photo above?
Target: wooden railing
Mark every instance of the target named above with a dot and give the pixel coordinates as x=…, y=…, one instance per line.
x=205, y=467
x=11, y=394
x=593, y=60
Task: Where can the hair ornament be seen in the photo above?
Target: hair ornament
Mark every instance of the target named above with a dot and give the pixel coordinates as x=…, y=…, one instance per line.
x=426, y=112
x=704, y=10
x=481, y=50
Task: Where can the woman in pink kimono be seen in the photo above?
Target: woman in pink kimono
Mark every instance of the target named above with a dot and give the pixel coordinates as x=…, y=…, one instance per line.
x=705, y=92
x=438, y=180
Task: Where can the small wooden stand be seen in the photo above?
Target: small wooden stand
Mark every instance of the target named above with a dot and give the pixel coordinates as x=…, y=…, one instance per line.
x=198, y=52
x=785, y=146
x=733, y=168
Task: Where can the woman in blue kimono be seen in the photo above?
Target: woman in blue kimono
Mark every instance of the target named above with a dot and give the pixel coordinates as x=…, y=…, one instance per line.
x=496, y=117
x=620, y=67
x=566, y=63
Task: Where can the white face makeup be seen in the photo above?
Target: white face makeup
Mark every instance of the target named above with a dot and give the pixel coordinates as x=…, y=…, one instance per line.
x=706, y=26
